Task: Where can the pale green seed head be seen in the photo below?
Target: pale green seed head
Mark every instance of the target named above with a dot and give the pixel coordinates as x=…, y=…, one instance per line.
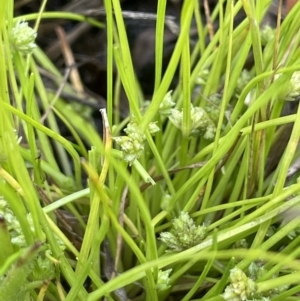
x=23, y=37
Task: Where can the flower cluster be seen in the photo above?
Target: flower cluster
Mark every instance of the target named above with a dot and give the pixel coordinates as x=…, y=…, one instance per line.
x=184, y=233
x=241, y=287
x=132, y=145
x=23, y=37
x=203, y=120
x=202, y=124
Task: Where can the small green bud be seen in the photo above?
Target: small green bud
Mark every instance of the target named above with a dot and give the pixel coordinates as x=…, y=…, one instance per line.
x=133, y=144
x=23, y=37
x=163, y=279
x=241, y=287
x=210, y=132
x=132, y=149
x=202, y=77
x=197, y=116
x=131, y=128
x=256, y=270
x=153, y=128
x=176, y=117
x=201, y=123
x=125, y=143
x=240, y=244
x=294, y=89
x=267, y=34
x=171, y=241
x=184, y=233
x=165, y=202
x=137, y=146
x=166, y=105
x=133, y=131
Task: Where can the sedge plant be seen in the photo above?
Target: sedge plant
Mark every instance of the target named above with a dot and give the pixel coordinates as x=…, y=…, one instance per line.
x=173, y=202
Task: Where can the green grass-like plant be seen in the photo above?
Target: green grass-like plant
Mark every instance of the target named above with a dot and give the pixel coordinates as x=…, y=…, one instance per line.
x=191, y=213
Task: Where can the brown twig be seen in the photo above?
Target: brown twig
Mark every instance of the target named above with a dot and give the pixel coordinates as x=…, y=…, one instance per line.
x=69, y=59
x=209, y=22
x=54, y=50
